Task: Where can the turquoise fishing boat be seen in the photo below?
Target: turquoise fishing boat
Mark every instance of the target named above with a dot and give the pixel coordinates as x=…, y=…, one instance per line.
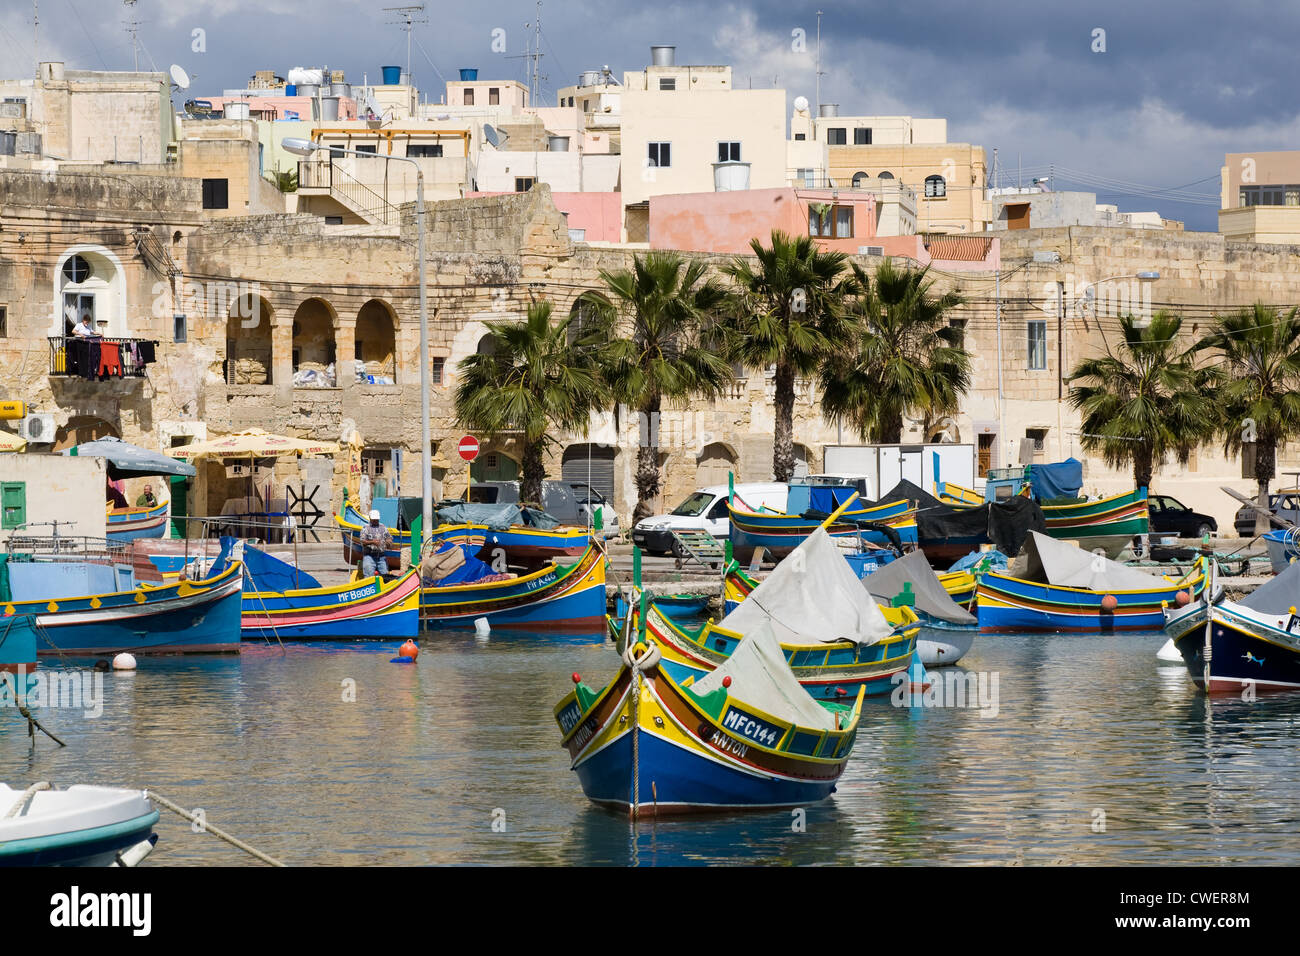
x=807, y=508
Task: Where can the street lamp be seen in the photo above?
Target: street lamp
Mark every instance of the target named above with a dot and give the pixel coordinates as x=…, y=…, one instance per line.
x=305, y=147
x=1089, y=290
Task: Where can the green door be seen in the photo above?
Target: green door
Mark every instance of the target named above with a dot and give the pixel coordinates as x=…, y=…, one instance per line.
x=13, y=504
x=178, y=489
x=494, y=466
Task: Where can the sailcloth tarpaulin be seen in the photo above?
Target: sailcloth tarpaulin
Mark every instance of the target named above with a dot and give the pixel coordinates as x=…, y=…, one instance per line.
x=1279, y=595
x=812, y=595
x=761, y=678
x=1049, y=561
x=931, y=598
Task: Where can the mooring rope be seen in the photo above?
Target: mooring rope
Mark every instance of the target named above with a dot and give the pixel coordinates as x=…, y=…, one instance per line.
x=209, y=828
x=27, y=795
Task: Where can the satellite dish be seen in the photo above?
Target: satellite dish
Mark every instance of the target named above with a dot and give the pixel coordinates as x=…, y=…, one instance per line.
x=801, y=104
x=179, y=76
x=491, y=135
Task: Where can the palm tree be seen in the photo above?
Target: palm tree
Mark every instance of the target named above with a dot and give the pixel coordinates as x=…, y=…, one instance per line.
x=1256, y=386
x=902, y=357
x=786, y=314
x=1143, y=401
x=532, y=379
x=657, y=320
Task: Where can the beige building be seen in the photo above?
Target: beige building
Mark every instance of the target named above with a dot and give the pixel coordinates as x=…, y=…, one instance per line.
x=1260, y=197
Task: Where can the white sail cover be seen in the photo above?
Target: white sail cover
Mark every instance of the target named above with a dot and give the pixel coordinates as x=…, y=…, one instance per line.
x=761, y=678
x=812, y=596
x=1048, y=561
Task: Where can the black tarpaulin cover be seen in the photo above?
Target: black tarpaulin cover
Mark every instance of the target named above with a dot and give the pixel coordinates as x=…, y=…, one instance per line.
x=1004, y=523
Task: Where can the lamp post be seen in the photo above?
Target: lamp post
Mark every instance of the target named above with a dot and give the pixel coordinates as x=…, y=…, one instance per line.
x=305, y=147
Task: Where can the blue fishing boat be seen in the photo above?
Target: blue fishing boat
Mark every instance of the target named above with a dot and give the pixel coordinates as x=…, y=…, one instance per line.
x=743, y=737
x=76, y=602
x=1283, y=547
x=1057, y=587
x=947, y=629
x=679, y=607
x=130, y=524
x=890, y=524
x=1231, y=646
x=283, y=602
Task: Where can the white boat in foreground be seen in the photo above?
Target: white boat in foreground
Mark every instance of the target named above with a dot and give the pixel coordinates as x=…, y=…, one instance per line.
x=81, y=825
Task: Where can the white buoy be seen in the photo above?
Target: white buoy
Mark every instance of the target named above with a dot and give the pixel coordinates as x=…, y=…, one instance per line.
x=1169, y=654
x=481, y=627
x=124, y=662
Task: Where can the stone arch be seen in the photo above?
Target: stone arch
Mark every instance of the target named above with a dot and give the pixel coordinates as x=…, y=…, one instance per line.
x=886, y=175
x=805, y=461
x=581, y=314
x=859, y=178
x=714, y=462
x=89, y=278
x=485, y=344
x=248, y=341
x=375, y=349
x=83, y=428
x=313, y=353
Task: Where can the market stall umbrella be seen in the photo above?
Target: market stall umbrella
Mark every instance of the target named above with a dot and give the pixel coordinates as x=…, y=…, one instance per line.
x=255, y=443
x=9, y=442
x=130, y=461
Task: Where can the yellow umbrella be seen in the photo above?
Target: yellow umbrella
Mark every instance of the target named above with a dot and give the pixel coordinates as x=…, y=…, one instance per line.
x=254, y=443
x=9, y=442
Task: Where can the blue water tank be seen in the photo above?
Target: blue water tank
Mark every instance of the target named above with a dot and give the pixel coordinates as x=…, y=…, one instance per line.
x=469, y=75
x=290, y=89
x=392, y=75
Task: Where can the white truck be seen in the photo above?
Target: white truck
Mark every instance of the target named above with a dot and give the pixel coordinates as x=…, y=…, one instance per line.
x=884, y=466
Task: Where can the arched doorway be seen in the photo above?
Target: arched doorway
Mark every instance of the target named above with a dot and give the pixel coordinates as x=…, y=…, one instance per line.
x=376, y=343
x=313, y=346
x=248, y=342
x=859, y=178
x=582, y=317
x=486, y=345
x=592, y=464
x=83, y=428
x=714, y=463
x=494, y=466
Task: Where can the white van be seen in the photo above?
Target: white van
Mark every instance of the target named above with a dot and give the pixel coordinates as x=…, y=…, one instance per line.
x=706, y=510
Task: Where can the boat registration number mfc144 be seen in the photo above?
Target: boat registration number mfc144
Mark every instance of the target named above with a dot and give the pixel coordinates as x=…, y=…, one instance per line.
x=750, y=727
x=358, y=593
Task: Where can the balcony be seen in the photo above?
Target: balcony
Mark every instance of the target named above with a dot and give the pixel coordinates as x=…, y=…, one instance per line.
x=99, y=358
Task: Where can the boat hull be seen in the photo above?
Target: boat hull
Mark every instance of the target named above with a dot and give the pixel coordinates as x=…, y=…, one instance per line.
x=1009, y=604
x=939, y=646
x=98, y=846
x=188, y=617
x=567, y=598
x=1248, y=649
x=780, y=534
x=1108, y=523
x=372, y=608
x=130, y=524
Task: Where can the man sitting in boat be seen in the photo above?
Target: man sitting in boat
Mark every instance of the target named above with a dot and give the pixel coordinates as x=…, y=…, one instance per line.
x=375, y=543
x=147, y=500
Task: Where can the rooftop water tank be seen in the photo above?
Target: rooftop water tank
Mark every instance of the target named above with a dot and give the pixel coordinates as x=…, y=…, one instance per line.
x=558, y=144
x=341, y=89
x=828, y=110
x=589, y=78
x=392, y=75
x=329, y=108
x=469, y=75
x=663, y=55
x=298, y=76
x=236, y=111
x=730, y=176
x=308, y=89
x=290, y=89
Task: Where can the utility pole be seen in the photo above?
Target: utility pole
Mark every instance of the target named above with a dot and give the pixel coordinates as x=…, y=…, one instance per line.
x=818, y=94
x=132, y=27
x=36, y=40
x=407, y=20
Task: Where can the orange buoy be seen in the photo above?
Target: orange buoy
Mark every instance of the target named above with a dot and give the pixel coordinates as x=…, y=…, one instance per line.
x=409, y=649
x=577, y=678
x=1109, y=603
x=726, y=681
x=1182, y=598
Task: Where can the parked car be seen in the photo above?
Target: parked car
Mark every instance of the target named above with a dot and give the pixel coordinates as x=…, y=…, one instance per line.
x=1171, y=516
x=1284, y=504
x=704, y=510
x=567, y=501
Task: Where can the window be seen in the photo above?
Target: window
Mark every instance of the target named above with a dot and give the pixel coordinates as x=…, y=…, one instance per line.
x=1039, y=436
x=1287, y=195
x=216, y=194
x=886, y=175
x=728, y=152
x=836, y=136
x=667, y=82
x=424, y=150
x=333, y=220
x=77, y=269
x=336, y=152
x=180, y=332
x=860, y=179
x=832, y=222
x=494, y=96
x=523, y=184
x=13, y=504
x=4, y=322
x=935, y=187
x=862, y=136
x=809, y=177
x=439, y=363
x=985, y=460
x=469, y=96
x=661, y=154
x=1038, y=345
x=800, y=136
x=371, y=148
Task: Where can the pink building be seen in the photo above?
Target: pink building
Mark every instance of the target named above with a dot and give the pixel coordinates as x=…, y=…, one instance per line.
x=592, y=217
x=842, y=220
x=282, y=107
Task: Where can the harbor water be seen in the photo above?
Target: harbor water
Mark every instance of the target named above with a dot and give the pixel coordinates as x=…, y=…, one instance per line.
x=1090, y=752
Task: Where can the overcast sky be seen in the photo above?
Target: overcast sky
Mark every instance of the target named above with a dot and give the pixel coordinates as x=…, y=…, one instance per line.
x=1141, y=113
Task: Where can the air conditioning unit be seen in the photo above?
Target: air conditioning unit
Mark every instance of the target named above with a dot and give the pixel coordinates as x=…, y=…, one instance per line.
x=37, y=428
x=871, y=250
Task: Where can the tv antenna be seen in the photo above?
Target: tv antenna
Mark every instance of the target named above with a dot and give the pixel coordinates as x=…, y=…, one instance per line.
x=133, y=27
x=536, y=77
x=407, y=21
x=820, y=72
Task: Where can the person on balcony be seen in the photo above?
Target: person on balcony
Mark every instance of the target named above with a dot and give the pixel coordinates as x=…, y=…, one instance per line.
x=147, y=500
x=376, y=542
x=86, y=327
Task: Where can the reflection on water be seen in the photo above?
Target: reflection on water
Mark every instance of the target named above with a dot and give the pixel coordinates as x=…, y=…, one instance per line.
x=330, y=754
